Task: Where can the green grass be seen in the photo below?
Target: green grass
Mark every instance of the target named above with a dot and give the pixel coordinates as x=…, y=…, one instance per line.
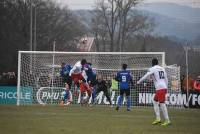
x=93, y=120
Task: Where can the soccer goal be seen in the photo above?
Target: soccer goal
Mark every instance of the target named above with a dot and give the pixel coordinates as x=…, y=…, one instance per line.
x=39, y=80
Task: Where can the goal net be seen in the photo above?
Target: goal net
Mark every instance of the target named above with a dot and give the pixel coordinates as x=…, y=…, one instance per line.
x=39, y=80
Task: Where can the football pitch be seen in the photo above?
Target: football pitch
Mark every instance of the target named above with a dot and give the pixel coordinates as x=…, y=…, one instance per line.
x=93, y=120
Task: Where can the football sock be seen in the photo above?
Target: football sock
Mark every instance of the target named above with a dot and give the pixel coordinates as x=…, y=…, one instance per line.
x=128, y=99
x=120, y=101
x=164, y=110
x=156, y=109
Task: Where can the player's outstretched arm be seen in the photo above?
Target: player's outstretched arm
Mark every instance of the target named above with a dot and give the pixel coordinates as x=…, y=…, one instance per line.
x=144, y=77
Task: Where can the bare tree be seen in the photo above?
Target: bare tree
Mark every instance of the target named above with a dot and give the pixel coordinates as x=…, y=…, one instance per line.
x=120, y=20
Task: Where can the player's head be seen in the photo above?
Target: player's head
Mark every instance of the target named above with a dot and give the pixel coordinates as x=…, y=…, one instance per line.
x=154, y=62
x=124, y=66
x=63, y=64
x=67, y=86
x=99, y=77
x=89, y=63
x=83, y=61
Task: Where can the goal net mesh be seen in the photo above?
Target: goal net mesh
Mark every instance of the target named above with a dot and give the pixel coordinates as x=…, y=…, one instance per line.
x=39, y=80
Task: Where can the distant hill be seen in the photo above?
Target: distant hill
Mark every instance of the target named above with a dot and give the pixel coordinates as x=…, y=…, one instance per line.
x=176, y=21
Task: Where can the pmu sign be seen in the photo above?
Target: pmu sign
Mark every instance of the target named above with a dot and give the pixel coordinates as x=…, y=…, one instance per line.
x=49, y=94
x=52, y=95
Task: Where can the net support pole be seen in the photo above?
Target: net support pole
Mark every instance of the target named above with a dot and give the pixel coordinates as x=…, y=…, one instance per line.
x=18, y=78
x=53, y=62
x=187, y=75
x=163, y=59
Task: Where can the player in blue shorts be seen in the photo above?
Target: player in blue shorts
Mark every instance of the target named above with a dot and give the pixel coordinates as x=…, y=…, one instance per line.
x=124, y=78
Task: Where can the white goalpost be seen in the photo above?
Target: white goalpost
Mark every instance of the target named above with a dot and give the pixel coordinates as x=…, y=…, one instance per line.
x=39, y=81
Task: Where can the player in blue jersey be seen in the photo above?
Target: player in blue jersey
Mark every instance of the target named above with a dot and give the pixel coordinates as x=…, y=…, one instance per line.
x=91, y=78
x=64, y=73
x=91, y=74
x=124, y=78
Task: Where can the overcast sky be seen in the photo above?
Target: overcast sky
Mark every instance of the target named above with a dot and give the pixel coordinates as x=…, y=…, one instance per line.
x=88, y=4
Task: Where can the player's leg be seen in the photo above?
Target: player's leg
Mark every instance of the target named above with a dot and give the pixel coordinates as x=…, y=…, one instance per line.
x=165, y=114
x=93, y=88
x=163, y=107
x=89, y=92
x=97, y=91
x=128, y=100
x=93, y=94
x=107, y=96
x=156, y=109
x=157, y=113
x=82, y=94
x=120, y=99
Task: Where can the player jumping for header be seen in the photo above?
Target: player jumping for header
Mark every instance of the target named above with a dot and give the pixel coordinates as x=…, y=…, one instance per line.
x=80, y=78
x=159, y=76
x=78, y=72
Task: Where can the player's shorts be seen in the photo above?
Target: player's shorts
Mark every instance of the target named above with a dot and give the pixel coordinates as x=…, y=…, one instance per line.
x=67, y=79
x=160, y=95
x=85, y=88
x=76, y=77
x=125, y=91
x=105, y=90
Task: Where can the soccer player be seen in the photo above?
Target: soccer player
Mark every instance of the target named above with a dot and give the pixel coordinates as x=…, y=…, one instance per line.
x=84, y=88
x=159, y=76
x=79, y=76
x=124, y=78
x=77, y=72
x=64, y=73
x=91, y=74
x=67, y=96
x=101, y=85
x=91, y=78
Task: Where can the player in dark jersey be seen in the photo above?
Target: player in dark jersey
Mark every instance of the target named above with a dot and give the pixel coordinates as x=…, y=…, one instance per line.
x=124, y=78
x=90, y=72
x=64, y=73
x=101, y=85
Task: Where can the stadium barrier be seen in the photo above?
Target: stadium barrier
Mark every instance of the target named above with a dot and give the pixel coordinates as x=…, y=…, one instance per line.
x=47, y=95
x=8, y=95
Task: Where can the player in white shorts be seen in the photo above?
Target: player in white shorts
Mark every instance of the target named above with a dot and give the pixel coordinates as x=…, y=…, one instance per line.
x=159, y=77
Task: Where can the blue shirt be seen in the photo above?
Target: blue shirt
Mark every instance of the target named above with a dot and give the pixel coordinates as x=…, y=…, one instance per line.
x=124, y=78
x=89, y=72
x=65, y=70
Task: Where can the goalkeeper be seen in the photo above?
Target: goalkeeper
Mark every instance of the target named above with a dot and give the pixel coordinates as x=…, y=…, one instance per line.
x=101, y=85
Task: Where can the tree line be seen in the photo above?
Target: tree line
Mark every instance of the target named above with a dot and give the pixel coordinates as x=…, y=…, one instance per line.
x=116, y=25
x=35, y=25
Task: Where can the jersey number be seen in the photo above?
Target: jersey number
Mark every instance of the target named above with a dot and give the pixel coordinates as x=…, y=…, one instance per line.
x=161, y=75
x=123, y=78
